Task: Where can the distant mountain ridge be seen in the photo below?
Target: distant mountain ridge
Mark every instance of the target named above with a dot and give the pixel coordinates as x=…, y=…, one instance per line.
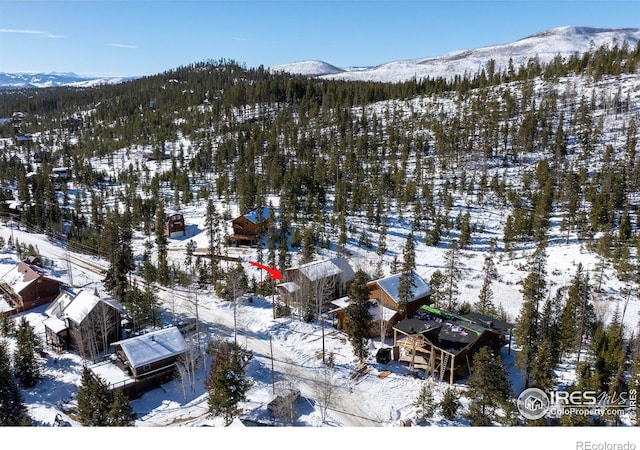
x=44, y=80
x=563, y=41
x=545, y=45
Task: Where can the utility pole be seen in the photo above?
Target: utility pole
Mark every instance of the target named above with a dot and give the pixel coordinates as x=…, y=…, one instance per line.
x=273, y=298
x=273, y=377
x=322, y=321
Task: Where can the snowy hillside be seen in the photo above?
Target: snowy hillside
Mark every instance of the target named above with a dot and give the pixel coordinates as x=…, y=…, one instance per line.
x=309, y=68
x=564, y=41
x=44, y=80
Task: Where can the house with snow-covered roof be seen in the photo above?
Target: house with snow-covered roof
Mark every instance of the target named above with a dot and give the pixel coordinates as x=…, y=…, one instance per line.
x=26, y=286
x=152, y=356
x=331, y=276
x=383, y=294
x=83, y=323
x=248, y=227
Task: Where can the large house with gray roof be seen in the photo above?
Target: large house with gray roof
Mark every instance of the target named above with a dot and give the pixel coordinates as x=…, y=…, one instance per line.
x=329, y=278
x=83, y=323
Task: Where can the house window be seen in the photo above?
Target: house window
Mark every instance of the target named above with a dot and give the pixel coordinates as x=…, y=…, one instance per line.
x=146, y=367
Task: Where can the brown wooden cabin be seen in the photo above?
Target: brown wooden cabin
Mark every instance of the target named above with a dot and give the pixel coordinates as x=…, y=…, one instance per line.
x=248, y=227
x=444, y=344
x=26, y=286
x=383, y=294
x=150, y=359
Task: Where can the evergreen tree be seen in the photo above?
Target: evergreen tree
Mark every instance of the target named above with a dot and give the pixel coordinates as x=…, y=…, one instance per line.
x=450, y=404
x=452, y=274
x=121, y=413
x=12, y=409
x=527, y=332
x=406, y=283
x=162, y=273
x=117, y=239
x=425, y=404
x=227, y=384
x=212, y=228
x=488, y=388
x=436, y=288
x=485, y=305
x=577, y=320
x=94, y=400
x=542, y=367
x=358, y=324
x=25, y=363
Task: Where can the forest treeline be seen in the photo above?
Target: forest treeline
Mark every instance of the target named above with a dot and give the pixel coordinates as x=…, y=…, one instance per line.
x=331, y=150
x=550, y=147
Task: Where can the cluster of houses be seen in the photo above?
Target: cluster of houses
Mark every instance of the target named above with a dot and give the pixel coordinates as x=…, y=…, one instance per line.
x=440, y=343
x=90, y=326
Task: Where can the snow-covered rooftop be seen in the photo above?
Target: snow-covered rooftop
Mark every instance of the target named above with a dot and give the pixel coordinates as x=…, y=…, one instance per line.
x=15, y=278
x=55, y=324
x=253, y=215
x=391, y=283
x=57, y=306
x=78, y=309
x=323, y=269
x=153, y=346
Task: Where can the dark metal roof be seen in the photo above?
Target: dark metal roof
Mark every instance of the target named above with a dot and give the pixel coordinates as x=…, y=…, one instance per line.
x=490, y=322
x=450, y=332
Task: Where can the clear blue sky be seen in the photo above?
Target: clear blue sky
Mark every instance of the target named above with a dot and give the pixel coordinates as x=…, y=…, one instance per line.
x=124, y=37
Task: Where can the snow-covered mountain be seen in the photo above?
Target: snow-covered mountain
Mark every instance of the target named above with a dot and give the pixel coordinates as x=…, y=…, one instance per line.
x=42, y=80
x=563, y=41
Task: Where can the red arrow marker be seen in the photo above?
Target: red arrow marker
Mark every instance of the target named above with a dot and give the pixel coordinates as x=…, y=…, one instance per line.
x=273, y=273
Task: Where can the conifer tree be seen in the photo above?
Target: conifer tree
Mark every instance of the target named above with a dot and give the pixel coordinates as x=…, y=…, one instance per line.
x=25, y=363
x=452, y=274
x=117, y=238
x=450, y=404
x=488, y=388
x=436, y=288
x=406, y=283
x=121, y=413
x=227, y=384
x=94, y=400
x=425, y=404
x=162, y=272
x=358, y=324
x=12, y=409
x=577, y=320
x=527, y=332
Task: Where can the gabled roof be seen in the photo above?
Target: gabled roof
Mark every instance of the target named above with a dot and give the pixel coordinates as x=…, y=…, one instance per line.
x=331, y=267
x=378, y=311
x=154, y=346
x=80, y=307
x=20, y=276
x=57, y=306
x=68, y=305
x=391, y=283
x=252, y=215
